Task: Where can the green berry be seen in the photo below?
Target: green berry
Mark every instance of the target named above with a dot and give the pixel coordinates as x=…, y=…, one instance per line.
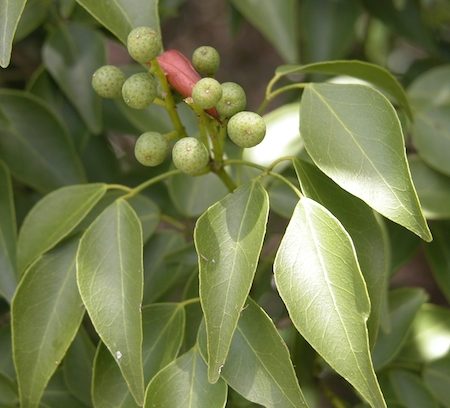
x=107, y=81
x=139, y=90
x=233, y=100
x=206, y=93
x=190, y=156
x=206, y=60
x=151, y=148
x=143, y=44
x=246, y=129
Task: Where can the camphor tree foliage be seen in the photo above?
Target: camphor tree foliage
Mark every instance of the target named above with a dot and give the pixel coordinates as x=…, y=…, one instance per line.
x=163, y=244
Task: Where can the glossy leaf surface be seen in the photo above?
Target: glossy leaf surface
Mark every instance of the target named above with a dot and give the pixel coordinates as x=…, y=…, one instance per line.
x=53, y=218
x=276, y=20
x=71, y=54
x=10, y=12
x=163, y=327
x=110, y=279
x=228, y=238
x=121, y=16
x=376, y=75
x=44, y=322
x=257, y=348
x=319, y=279
x=184, y=383
x=8, y=236
x=404, y=303
x=359, y=144
x=31, y=134
x=360, y=222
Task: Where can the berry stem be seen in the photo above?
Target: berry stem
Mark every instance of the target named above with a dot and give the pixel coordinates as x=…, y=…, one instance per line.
x=270, y=95
x=226, y=179
x=203, y=123
x=169, y=104
x=148, y=183
x=119, y=187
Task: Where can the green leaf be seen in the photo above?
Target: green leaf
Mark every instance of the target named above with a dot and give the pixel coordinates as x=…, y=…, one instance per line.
x=8, y=392
x=436, y=376
x=327, y=28
x=34, y=14
x=121, y=16
x=410, y=389
x=8, y=236
x=46, y=313
x=184, y=383
x=228, y=238
x=43, y=86
x=353, y=135
x=431, y=136
x=57, y=395
x=77, y=367
x=193, y=195
x=10, y=12
x=433, y=189
x=53, y=218
x=438, y=255
x=282, y=198
x=110, y=280
x=163, y=326
x=258, y=365
x=159, y=275
x=281, y=121
x=318, y=277
x=34, y=143
x=376, y=75
x=6, y=361
x=431, y=88
x=404, y=304
x=147, y=212
x=361, y=223
x=429, y=337
x=71, y=54
x=277, y=21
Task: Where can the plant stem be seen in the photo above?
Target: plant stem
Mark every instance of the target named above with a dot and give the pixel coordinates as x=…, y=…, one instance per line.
x=169, y=104
x=172, y=221
x=226, y=179
x=188, y=302
x=272, y=94
x=150, y=182
x=119, y=187
x=265, y=171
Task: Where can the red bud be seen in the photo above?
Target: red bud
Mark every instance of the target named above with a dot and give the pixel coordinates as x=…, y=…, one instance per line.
x=180, y=74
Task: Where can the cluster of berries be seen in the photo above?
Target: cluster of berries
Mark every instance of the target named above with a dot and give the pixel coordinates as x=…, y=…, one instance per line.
x=223, y=102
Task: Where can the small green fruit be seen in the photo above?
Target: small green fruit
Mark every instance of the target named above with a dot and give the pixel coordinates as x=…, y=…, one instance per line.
x=139, y=90
x=143, y=44
x=190, y=156
x=107, y=81
x=233, y=100
x=246, y=129
x=206, y=93
x=151, y=148
x=206, y=60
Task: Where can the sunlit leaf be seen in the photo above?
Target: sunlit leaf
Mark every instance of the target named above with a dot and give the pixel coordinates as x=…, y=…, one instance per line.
x=257, y=348
x=110, y=280
x=46, y=313
x=228, y=238
x=319, y=279
x=10, y=12
x=359, y=144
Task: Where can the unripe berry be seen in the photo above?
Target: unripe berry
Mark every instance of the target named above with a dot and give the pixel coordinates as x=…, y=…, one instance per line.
x=151, y=148
x=233, y=100
x=190, y=156
x=206, y=60
x=139, y=90
x=246, y=129
x=107, y=81
x=206, y=93
x=143, y=44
